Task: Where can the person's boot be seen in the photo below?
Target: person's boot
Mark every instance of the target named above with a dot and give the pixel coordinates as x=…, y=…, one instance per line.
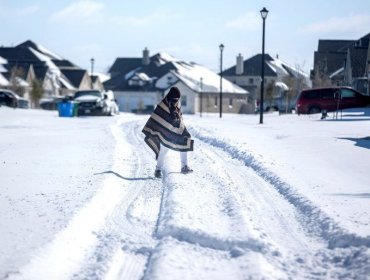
x=158, y=173
x=186, y=169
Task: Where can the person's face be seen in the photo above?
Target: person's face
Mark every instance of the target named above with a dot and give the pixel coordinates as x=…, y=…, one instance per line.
x=174, y=101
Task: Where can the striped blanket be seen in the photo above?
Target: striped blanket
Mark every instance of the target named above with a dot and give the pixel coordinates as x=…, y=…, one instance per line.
x=161, y=129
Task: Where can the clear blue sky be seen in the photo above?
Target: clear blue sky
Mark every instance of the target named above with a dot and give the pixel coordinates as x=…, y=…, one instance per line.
x=190, y=30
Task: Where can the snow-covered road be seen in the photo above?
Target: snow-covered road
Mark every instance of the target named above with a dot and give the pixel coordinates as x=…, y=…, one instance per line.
x=230, y=219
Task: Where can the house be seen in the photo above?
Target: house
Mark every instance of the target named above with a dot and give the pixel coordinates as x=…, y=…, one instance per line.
x=279, y=76
x=18, y=73
x=57, y=75
x=140, y=83
x=342, y=62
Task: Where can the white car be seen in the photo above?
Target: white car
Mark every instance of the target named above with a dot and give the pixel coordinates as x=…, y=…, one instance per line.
x=95, y=102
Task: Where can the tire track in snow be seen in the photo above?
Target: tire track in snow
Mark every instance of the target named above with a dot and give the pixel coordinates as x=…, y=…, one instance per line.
x=274, y=248
x=253, y=253
x=127, y=240
x=169, y=246
x=316, y=221
x=255, y=199
x=302, y=252
x=64, y=256
x=111, y=235
x=272, y=217
x=198, y=213
x=217, y=226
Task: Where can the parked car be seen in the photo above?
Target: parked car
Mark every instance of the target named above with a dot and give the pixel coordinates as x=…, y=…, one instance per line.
x=50, y=103
x=315, y=100
x=11, y=99
x=277, y=104
x=95, y=102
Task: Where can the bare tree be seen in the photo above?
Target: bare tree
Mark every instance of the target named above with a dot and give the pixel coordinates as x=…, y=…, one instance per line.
x=321, y=77
x=291, y=92
x=296, y=83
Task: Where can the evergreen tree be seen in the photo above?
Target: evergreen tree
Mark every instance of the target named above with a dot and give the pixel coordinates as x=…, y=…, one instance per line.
x=36, y=92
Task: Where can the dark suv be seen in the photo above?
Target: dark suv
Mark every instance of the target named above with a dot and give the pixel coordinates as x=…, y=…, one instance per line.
x=315, y=100
x=11, y=99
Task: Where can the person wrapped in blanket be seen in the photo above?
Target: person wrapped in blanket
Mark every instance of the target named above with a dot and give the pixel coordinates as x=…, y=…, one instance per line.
x=165, y=130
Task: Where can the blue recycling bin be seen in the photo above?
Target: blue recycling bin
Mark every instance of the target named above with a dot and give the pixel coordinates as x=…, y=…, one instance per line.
x=66, y=109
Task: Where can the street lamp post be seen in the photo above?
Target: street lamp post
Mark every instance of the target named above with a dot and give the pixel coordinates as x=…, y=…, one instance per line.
x=264, y=13
x=221, y=52
x=92, y=60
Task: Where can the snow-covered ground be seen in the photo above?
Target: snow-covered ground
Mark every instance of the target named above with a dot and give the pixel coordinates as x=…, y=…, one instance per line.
x=289, y=199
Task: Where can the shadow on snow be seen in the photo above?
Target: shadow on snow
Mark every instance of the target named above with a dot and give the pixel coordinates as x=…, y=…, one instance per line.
x=360, y=142
x=125, y=178
x=357, y=195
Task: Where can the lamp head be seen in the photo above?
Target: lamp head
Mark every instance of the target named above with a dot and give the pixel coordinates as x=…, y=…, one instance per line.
x=264, y=13
x=221, y=47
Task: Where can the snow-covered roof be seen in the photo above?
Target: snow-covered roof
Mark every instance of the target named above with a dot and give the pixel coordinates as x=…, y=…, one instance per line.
x=66, y=83
x=142, y=76
x=282, y=85
x=40, y=49
x=3, y=69
x=167, y=70
x=274, y=67
x=339, y=71
x=22, y=82
x=102, y=76
x=47, y=52
x=163, y=58
x=278, y=67
x=131, y=73
x=46, y=64
x=286, y=69
x=191, y=74
x=54, y=73
x=53, y=68
x=3, y=60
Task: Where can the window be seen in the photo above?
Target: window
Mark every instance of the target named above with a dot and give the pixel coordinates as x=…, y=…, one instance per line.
x=251, y=81
x=230, y=102
x=135, y=82
x=327, y=94
x=312, y=95
x=216, y=98
x=183, y=101
x=347, y=93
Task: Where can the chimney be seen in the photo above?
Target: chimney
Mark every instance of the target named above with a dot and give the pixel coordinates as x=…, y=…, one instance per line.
x=239, y=65
x=146, y=58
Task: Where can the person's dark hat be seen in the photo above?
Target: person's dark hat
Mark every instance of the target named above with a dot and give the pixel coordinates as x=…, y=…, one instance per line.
x=174, y=93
